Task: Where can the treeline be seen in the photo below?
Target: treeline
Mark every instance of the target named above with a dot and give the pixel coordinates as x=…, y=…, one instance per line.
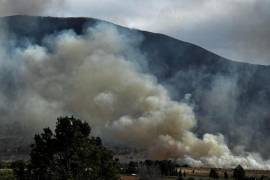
x=163, y=168
x=238, y=173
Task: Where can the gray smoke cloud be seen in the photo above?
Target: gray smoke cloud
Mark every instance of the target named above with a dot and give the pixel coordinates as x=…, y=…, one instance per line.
x=99, y=77
x=29, y=7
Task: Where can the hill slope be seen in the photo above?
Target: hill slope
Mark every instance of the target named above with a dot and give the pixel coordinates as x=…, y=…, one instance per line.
x=229, y=97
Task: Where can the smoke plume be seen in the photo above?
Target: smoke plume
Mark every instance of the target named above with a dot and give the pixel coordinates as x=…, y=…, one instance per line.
x=99, y=77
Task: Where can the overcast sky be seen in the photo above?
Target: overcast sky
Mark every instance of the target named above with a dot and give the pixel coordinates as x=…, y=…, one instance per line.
x=236, y=29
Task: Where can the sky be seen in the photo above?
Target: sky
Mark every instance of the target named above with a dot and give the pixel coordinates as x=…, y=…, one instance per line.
x=236, y=29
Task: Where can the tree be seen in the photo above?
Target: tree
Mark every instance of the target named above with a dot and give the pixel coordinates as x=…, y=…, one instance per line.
x=132, y=168
x=19, y=169
x=239, y=173
x=149, y=172
x=184, y=174
x=70, y=153
x=180, y=175
x=226, y=176
x=213, y=174
x=167, y=168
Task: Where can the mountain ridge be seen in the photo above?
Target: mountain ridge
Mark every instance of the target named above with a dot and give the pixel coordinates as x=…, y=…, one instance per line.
x=132, y=29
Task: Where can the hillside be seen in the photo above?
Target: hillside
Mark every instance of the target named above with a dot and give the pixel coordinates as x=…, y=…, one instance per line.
x=229, y=97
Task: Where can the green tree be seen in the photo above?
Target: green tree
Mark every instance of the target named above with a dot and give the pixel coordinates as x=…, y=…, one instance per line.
x=70, y=153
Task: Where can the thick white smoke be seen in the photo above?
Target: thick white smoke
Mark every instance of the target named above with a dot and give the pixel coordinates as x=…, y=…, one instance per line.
x=92, y=76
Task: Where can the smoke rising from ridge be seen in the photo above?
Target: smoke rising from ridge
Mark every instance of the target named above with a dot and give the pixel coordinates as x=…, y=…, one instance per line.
x=94, y=76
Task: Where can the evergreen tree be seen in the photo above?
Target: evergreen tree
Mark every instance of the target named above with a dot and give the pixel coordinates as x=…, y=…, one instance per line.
x=70, y=153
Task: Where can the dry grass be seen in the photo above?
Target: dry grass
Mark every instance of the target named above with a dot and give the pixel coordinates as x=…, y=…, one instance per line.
x=204, y=172
x=129, y=178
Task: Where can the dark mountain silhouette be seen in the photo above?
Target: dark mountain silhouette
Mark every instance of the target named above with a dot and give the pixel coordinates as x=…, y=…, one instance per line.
x=229, y=97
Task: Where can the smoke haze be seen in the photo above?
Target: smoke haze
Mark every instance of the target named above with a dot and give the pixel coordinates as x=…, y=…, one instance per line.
x=29, y=7
x=100, y=77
